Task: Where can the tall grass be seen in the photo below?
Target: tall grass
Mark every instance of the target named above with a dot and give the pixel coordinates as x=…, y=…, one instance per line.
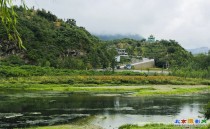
x=105, y=79
x=162, y=126
x=28, y=70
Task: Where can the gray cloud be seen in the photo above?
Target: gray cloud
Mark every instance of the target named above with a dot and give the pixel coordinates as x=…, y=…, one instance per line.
x=187, y=21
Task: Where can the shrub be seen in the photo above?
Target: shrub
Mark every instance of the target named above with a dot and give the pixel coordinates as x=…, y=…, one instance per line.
x=207, y=113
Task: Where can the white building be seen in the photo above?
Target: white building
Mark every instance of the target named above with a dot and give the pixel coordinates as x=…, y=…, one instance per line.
x=122, y=52
x=117, y=58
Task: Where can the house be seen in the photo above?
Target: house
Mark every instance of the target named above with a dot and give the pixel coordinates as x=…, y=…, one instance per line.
x=117, y=58
x=122, y=52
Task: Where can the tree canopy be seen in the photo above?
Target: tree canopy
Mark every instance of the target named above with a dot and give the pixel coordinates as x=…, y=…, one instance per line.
x=8, y=19
x=51, y=41
x=54, y=42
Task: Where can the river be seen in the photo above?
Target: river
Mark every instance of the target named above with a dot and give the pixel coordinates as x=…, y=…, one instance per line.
x=26, y=109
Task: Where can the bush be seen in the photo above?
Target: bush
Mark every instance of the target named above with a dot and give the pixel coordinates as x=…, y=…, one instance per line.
x=70, y=81
x=207, y=114
x=13, y=60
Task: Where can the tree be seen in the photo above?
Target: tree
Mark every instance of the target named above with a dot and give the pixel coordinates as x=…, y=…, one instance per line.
x=112, y=53
x=71, y=22
x=8, y=19
x=207, y=108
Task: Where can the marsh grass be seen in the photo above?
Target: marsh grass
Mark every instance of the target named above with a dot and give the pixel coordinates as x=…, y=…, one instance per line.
x=162, y=126
x=148, y=126
x=78, y=124
x=50, y=79
x=106, y=79
x=146, y=90
x=166, y=90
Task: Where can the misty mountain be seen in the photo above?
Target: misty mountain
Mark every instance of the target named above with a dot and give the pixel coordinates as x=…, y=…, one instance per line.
x=202, y=50
x=119, y=36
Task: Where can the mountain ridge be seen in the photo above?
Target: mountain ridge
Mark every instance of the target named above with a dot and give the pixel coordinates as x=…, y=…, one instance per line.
x=53, y=42
x=200, y=50
x=118, y=36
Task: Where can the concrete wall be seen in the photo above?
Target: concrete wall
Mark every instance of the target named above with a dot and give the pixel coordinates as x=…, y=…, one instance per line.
x=144, y=65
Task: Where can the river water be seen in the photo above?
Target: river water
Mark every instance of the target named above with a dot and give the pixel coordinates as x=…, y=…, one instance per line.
x=21, y=109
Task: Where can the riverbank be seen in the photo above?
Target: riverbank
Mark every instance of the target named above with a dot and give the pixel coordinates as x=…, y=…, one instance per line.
x=104, y=84
x=112, y=80
x=134, y=85
x=132, y=90
x=148, y=126
x=162, y=126
x=133, y=109
x=78, y=124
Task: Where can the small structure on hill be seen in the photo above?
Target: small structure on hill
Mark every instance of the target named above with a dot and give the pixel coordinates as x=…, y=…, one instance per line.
x=122, y=52
x=151, y=39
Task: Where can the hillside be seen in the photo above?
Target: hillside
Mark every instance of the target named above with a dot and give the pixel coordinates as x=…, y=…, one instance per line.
x=164, y=52
x=53, y=42
x=118, y=36
x=50, y=41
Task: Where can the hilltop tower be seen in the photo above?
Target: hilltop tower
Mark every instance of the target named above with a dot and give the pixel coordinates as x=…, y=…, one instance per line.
x=151, y=39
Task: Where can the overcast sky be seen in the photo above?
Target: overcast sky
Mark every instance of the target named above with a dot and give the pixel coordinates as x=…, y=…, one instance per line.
x=186, y=21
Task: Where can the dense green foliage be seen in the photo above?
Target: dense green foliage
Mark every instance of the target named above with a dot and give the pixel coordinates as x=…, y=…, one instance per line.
x=161, y=126
x=8, y=21
x=207, y=113
x=29, y=70
x=53, y=42
x=50, y=41
x=169, y=54
x=197, y=67
x=166, y=53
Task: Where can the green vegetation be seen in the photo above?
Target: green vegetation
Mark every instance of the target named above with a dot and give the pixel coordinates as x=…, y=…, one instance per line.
x=148, y=126
x=28, y=70
x=149, y=90
x=207, y=112
x=8, y=20
x=49, y=75
x=106, y=79
x=73, y=126
x=48, y=79
x=161, y=126
x=57, y=43
x=61, y=56
x=78, y=124
x=198, y=67
x=53, y=42
x=164, y=52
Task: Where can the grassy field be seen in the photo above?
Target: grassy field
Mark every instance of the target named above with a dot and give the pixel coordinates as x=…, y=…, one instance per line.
x=105, y=79
x=112, y=84
x=73, y=126
x=162, y=126
x=146, y=90
x=79, y=124
x=148, y=126
x=103, y=83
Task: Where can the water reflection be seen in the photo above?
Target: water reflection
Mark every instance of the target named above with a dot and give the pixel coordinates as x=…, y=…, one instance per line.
x=48, y=108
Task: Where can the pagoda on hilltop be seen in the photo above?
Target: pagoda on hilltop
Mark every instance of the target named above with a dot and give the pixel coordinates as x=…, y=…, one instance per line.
x=151, y=39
